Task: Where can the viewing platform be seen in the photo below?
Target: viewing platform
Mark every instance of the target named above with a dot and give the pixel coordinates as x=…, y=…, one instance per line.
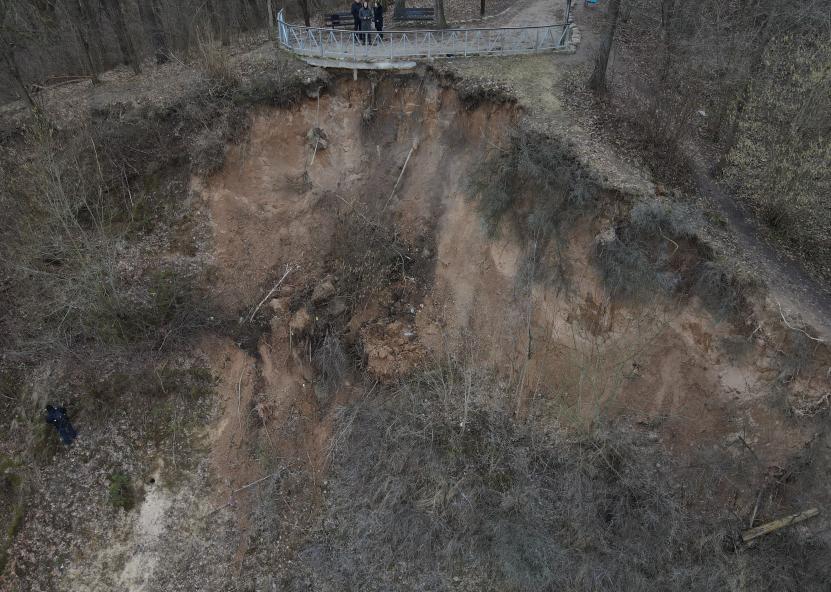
x=343, y=48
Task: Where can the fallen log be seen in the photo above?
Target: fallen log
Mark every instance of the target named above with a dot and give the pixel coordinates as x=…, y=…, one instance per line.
x=769, y=527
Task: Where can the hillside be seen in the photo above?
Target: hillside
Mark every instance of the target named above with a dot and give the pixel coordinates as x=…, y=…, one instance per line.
x=463, y=327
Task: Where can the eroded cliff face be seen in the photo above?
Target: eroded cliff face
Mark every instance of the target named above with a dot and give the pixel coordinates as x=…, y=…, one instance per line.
x=348, y=237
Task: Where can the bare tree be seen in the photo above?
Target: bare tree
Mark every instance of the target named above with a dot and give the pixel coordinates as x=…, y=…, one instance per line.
x=149, y=14
x=304, y=9
x=115, y=14
x=441, y=21
x=10, y=33
x=601, y=62
x=764, y=26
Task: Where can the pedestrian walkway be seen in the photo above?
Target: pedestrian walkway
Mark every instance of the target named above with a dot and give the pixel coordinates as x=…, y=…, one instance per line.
x=386, y=49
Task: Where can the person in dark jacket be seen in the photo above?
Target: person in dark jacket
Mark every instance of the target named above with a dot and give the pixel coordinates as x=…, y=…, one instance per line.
x=356, y=8
x=378, y=17
x=58, y=418
x=365, y=14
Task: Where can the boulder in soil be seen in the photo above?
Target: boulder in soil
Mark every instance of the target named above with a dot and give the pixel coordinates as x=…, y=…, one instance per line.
x=323, y=292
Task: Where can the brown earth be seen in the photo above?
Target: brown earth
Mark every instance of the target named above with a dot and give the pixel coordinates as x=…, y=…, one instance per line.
x=409, y=276
x=669, y=366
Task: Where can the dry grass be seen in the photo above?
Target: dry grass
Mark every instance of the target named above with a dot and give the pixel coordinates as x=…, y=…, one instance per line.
x=331, y=362
x=80, y=204
x=658, y=248
x=63, y=242
x=434, y=486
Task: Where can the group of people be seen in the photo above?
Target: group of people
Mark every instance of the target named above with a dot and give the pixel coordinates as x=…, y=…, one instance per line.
x=365, y=15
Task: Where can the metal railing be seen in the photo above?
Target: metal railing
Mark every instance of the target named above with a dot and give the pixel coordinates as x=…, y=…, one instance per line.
x=357, y=46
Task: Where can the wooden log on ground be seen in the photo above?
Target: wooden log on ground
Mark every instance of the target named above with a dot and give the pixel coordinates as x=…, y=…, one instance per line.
x=769, y=527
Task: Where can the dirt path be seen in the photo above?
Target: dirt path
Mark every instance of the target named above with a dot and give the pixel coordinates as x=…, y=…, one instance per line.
x=790, y=286
x=531, y=13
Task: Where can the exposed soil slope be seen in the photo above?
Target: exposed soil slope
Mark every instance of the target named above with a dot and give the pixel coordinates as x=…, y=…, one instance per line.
x=570, y=352
x=361, y=200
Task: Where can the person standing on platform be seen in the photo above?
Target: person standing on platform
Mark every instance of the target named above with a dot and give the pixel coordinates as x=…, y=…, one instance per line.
x=378, y=17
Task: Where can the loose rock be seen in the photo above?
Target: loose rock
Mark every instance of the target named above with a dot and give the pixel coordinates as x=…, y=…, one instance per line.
x=324, y=291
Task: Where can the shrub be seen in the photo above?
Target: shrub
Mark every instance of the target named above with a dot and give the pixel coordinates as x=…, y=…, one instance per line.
x=653, y=219
x=120, y=491
x=777, y=214
x=626, y=270
x=722, y=290
x=331, y=362
x=434, y=486
x=531, y=166
x=537, y=180
x=634, y=261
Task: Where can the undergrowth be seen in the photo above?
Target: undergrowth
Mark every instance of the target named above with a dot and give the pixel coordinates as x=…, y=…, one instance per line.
x=657, y=248
x=535, y=180
x=78, y=204
x=434, y=486
x=120, y=491
x=11, y=505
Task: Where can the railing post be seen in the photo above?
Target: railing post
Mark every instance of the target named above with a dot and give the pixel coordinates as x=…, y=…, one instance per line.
x=562, y=42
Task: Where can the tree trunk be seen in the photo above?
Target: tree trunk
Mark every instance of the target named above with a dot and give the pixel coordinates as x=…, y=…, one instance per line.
x=90, y=62
x=112, y=8
x=717, y=119
x=92, y=33
x=601, y=62
x=304, y=8
x=441, y=21
x=152, y=24
x=82, y=18
x=270, y=11
x=216, y=24
x=744, y=96
x=11, y=63
x=253, y=16
x=668, y=11
x=227, y=13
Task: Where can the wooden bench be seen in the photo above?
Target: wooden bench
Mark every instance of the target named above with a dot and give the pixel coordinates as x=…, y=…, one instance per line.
x=340, y=20
x=415, y=14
